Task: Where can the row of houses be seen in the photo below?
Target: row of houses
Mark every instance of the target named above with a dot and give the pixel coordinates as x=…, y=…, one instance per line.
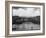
x=20, y=20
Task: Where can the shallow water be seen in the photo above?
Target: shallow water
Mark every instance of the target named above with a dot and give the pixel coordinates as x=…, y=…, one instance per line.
x=27, y=26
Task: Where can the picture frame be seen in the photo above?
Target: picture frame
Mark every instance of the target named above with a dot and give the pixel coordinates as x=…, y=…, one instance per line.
x=22, y=5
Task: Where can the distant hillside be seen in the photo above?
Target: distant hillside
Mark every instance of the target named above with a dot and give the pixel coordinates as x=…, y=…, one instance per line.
x=20, y=20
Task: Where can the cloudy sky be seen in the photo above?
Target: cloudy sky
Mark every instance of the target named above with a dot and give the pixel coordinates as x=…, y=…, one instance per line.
x=26, y=12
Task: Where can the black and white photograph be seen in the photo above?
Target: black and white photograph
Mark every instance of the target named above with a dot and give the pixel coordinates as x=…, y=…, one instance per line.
x=25, y=18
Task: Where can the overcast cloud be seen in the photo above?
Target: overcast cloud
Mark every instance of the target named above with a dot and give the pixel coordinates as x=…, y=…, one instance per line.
x=28, y=12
